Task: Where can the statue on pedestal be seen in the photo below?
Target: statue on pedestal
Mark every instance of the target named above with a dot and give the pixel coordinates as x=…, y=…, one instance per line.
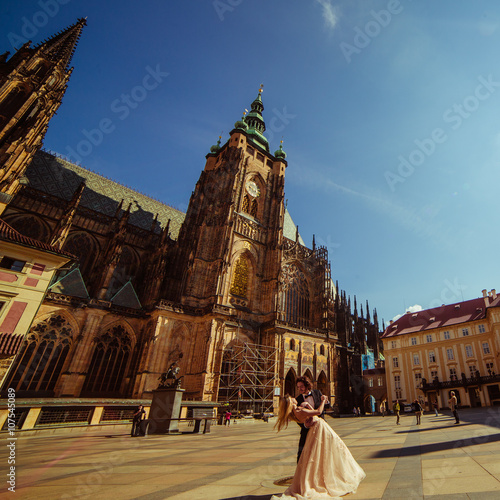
x=169, y=379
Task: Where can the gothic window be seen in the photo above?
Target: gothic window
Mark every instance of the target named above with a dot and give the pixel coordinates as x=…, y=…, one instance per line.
x=41, y=358
x=125, y=270
x=12, y=103
x=253, y=210
x=109, y=362
x=294, y=296
x=322, y=350
x=85, y=248
x=30, y=226
x=246, y=204
x=240, y=278
x=292, y=345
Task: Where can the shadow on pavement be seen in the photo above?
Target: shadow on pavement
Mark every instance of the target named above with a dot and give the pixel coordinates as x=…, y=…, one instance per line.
x=428, y=448
x=253, y=497
x=421, y=429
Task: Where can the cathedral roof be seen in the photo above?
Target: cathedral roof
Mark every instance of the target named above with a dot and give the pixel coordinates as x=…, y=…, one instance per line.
x=58, y=177
x=61, y=178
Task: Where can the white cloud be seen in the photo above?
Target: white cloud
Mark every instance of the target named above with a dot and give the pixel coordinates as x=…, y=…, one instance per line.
x=330, y=13
x=411, y=309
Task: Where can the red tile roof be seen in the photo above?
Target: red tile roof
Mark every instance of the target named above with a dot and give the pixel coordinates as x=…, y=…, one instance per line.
x=7, y=233
x=445, y=315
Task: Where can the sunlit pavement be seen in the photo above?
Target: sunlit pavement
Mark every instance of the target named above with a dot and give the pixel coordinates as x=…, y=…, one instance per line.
x=434, y=460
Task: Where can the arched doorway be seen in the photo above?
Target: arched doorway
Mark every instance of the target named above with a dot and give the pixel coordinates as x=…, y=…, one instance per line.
x=323, y=385
x=290, y=385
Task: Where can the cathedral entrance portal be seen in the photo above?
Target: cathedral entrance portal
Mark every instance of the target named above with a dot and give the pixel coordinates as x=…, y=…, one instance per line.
x=290, y=382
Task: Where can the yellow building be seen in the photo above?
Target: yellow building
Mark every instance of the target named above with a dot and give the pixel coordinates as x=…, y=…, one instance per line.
x=453, y=347
x=26, y=269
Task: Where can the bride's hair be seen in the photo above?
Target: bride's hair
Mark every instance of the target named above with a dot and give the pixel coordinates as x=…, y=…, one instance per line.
x=285, y=413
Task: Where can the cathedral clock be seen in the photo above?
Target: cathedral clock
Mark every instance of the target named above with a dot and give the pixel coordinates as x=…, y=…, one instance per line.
x=252, y=188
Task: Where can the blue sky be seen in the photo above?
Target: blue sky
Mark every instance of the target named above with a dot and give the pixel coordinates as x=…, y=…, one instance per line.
x=389, y=112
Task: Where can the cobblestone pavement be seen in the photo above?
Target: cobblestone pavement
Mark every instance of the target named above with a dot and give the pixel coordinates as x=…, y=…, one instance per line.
x=435, y=460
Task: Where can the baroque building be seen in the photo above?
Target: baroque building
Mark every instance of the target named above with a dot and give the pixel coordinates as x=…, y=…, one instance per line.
x=453, y=347
x=228, y=291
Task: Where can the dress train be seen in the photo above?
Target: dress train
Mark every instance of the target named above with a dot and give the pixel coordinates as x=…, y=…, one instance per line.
x=326, y=469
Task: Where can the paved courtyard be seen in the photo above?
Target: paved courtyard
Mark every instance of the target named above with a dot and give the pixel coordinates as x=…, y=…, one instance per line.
x=436, y=460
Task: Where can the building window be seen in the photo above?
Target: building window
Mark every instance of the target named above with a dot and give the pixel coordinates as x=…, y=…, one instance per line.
x=429, y=338
x=489, y=369
x=293, y=298
x=397, y=382
x=398, y=395
x=465, y=332
x=472, y=370
x=370, y=382
x=449, y=354
x=447, y=335
x=240, y=278
x=254, y=209
x=486, y=348
x=395, y=363
x=432, y=357
x=12, y=264
x=42, y=356
x=393, y=344
x=416, y=359
x=481, y=329
x=380, y=381
x=418, y=379
x=109, y=362
x=468, y=351
x=292, y=345
x=414, y=341
x=434, y=374
x=453, y=374
x=246, y=204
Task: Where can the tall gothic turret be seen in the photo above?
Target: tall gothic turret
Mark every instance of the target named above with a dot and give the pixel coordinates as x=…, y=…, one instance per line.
x=32, y=84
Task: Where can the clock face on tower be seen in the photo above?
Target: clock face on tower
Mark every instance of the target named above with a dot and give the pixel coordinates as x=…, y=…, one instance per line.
x=252, y=189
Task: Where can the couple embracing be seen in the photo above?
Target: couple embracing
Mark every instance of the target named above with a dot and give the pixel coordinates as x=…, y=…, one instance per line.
x=325, y=467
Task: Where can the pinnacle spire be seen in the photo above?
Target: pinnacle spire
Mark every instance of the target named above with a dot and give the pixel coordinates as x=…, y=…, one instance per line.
x=61, y=47
x=255, y=122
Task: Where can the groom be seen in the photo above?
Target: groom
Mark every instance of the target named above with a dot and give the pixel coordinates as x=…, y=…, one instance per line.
x=311, y=396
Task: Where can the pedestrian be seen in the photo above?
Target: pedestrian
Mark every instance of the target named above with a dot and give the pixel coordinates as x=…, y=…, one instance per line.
x=396, y=408
x=453, y=403
x=382, y=409
x=227, y=418
x=435, y=405
x=359, y=411
x=417, y=408
x=355, y=411
x=136, y=421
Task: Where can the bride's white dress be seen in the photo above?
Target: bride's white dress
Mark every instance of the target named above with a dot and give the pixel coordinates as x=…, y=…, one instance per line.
x=326, y=468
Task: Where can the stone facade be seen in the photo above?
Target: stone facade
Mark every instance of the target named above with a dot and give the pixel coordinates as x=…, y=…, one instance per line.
x=228, y=291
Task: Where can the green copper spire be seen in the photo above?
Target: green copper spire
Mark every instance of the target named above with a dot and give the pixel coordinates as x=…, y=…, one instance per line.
x=241, y=123
x=280, y=153
x=215, y=148
x=255, y=122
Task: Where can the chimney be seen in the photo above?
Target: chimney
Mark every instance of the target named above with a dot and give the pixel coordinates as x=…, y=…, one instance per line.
x=493, y=293
x=485, y=294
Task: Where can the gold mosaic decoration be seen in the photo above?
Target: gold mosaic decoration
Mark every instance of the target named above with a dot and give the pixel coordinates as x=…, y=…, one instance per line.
x=240, y=278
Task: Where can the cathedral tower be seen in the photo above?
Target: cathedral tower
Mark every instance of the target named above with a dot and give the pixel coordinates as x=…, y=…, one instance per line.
x=32, y=84
x=233, y=231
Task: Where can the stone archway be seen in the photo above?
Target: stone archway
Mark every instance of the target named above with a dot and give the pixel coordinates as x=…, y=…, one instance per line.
x=290, y=382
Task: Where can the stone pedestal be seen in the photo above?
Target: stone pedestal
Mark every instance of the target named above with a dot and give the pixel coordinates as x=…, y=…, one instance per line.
x=165, y=411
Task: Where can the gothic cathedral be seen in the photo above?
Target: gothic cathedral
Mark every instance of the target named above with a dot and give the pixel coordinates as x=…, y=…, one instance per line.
x=229, y=292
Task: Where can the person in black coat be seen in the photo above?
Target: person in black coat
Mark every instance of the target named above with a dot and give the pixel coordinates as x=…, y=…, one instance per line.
x=136, y=421
x=311, y=396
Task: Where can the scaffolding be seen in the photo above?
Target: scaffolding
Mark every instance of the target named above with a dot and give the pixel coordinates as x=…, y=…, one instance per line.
x=247, y=378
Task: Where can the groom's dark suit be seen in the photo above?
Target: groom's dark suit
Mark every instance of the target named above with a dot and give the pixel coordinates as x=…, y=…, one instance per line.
x=316, y=394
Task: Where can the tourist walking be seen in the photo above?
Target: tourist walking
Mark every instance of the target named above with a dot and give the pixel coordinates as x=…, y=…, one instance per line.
x=453, y=403
x=435, y=405
x=417, y=408
x=396, y=408
x=227, y=418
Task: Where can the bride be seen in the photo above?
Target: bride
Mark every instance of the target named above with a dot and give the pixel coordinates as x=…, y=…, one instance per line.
x=326, y=468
